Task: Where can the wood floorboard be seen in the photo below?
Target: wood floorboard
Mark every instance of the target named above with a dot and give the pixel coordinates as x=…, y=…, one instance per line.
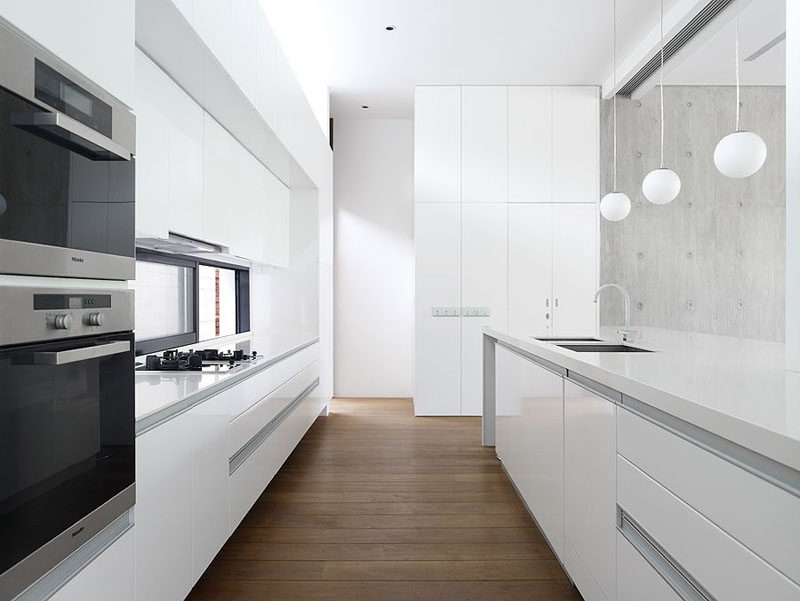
x=377, y=504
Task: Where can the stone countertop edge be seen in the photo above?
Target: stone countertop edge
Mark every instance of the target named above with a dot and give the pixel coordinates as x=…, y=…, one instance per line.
x=779, y=447
x=152, y=420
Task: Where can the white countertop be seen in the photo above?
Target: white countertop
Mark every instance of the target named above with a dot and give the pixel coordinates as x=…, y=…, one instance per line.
x=736, y=388
x=158, y=392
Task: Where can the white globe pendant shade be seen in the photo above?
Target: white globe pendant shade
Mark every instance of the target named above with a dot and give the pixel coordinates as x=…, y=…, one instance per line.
x=740, y=154
x=661, y=186
x=615, y=206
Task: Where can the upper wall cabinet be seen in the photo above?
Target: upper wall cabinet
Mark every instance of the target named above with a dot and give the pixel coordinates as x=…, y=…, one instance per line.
x=530, y=143
x=244, y=45
x=218, y=184
x=484, y=148
x=213, y=21
x=575, y=144
x=437, y=144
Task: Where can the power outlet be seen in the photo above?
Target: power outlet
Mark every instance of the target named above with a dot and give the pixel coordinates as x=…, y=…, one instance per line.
x=445, y=311
x=476, y=311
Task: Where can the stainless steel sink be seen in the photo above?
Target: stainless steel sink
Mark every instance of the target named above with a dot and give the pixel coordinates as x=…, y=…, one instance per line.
x=603, y=348
x=567, y=339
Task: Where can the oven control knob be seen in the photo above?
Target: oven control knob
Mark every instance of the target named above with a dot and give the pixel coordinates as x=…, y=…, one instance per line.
x=95, y=319
x=63, y=321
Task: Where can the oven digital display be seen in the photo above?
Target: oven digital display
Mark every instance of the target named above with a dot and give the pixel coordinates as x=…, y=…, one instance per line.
x=56, y=302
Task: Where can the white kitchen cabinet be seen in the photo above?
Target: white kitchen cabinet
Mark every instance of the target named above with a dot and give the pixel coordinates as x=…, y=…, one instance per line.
x=529, y=432
x=575, y=260
x=213, y=22
x=437, y=144
x=590, y=488
x=187, y=9
x=108, y=576
x=244, y=53
x=575, y=144
x=437, y=356
x=163, y=563
x=185, y=163
x=208, y=423
x=484, y=285
x=637, y=579
x=218, y=148
x=250, y=478
x=484, y=144
x=530, y=143
x=530, y=268
x=266, y=76
x=275, y=225
x=152, y=150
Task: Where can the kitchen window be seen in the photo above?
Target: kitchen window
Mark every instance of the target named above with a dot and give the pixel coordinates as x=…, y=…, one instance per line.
x=184, y=300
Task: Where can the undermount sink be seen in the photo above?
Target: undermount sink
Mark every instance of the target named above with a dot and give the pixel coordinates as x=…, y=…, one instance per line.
x=603, y=348
x=567, y=339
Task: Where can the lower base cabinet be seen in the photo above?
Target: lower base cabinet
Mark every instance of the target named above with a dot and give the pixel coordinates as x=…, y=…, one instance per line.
x=590, y=485
x=637, y=579
x=109, y=576
x=188, y=502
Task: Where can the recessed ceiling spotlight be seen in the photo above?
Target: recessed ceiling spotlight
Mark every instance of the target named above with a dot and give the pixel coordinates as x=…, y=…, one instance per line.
x=390, y=28
x=364, y=106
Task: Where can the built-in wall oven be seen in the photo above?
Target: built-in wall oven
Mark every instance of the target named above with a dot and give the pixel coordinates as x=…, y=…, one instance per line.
x=67, y=424
x=66, y=169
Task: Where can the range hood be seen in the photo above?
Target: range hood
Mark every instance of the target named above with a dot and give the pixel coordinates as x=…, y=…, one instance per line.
x=178, y=245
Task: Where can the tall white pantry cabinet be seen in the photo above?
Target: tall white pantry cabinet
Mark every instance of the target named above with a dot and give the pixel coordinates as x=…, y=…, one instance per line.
x=506, y=224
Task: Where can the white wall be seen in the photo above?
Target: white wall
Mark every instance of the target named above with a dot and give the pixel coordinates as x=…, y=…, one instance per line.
x=792, y=186
x=374, y=258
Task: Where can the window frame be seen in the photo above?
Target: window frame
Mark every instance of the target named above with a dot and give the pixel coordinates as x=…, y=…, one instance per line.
x=242, y=304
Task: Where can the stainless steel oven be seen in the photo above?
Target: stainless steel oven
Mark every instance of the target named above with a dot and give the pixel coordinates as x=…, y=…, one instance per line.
x=67, y=179
x=67, y=425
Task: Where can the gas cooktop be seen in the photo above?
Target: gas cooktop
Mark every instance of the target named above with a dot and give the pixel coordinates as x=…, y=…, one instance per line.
x=192, y=360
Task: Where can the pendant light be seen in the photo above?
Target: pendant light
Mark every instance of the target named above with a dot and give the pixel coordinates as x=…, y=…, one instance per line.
x=661, y=185
x=741, y=153
x=615, y=205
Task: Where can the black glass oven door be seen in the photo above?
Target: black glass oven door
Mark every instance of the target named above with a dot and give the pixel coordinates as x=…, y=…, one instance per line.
x=52, y=193
x=67, y=434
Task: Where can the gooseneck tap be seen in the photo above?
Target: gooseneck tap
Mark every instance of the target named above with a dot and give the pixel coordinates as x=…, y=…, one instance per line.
x=628, y=335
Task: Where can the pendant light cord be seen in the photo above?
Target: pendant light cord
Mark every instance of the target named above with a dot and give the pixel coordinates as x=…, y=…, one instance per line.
x=661, y=83
x=736, y=52
x=614, y=69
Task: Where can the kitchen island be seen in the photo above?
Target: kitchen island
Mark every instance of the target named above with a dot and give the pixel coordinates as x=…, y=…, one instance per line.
x=639, y=467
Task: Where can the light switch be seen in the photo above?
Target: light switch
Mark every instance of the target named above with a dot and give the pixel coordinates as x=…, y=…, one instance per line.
x=439, y=311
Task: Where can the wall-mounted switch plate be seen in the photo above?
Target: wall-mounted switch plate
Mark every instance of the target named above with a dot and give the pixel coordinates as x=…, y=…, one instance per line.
x=445, y=311
x=476, y=311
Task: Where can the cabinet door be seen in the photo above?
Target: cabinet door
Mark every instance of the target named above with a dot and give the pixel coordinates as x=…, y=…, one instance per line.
x=276, y=227
x=530, y=143
x=575, y=144
x=109, y=576
x=208, y=423
x=637, y=579
x=163, y=563
x=185, y=164
x=217, y=181
x=152, y=150
x=590, y=487
x=437, y=340
x=484, y=148
x=484, y=285
x=574, y=269
x=530, y=437
x=530, y=265
x=437, y=144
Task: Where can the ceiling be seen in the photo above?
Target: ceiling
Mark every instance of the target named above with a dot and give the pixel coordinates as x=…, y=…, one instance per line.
x=470, y=42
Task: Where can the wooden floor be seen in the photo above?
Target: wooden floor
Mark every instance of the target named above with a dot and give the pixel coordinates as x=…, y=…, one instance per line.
x=377, y=504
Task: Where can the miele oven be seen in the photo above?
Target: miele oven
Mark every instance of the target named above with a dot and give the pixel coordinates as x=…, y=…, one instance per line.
x=67, y=425
x=66, y=169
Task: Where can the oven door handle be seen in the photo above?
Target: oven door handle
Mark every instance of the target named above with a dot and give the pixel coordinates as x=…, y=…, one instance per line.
x=65, y=131
x=72, y=356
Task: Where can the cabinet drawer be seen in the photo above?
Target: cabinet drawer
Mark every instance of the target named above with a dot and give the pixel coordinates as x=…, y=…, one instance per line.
x=719, y=563
x=256, y=387
x=250, y=480
x=763, y=517
x=247, y=425
x=637, y=579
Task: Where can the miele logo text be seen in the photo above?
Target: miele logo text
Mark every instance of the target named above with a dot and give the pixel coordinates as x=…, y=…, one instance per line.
x=77, y=259
x=78, y=531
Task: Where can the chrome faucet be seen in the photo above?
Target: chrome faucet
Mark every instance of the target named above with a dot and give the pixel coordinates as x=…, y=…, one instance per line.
x=628, y=335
